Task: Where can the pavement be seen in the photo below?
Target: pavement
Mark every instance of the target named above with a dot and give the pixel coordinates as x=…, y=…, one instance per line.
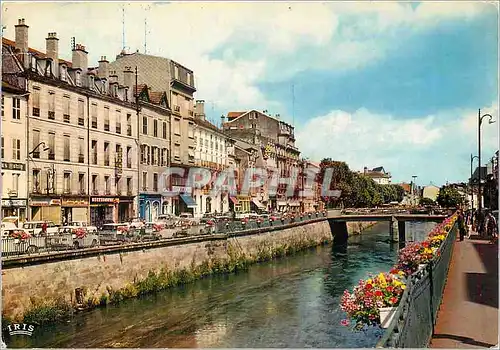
x=468, y=317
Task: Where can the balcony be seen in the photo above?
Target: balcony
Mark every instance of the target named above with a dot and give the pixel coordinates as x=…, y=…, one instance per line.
x=67, y=191
x=67, y=158
x=12, y=193
x=66, y=118
x=36, y=112
x=81, y=121
x=52, y=115
x=81, y=158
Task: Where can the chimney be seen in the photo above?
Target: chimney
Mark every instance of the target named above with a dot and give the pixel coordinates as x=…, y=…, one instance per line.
x=103, y=71
x=365, y=170
x=22, y=40
x=129, y=81
x=199, y=109
x=80, y=58
x=113, y=77
x=52, y=51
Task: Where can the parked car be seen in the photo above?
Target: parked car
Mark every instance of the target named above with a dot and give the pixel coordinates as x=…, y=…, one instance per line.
x=34, y=228
x=85, y=239
x=136, y=223
x=114, y=233
x=12, y=243
x=10, y=221
x=77, y=224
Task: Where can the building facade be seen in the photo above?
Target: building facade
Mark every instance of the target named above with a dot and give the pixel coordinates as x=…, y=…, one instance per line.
x=14, y=119
x=379, y=175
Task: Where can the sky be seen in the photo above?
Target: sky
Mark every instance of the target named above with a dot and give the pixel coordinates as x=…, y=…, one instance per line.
x=392, y=84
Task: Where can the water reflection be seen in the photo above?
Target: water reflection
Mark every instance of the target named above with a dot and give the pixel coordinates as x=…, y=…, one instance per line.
x=292, y=302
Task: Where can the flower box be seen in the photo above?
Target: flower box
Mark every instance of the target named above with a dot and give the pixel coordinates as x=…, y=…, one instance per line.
x=387, y=315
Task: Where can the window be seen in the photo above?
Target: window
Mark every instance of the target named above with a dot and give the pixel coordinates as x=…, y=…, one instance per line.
x=66, y=148
x=144, y=181
x=189, y=78
x=118, y=157
x=16, y=149
x=36, y=181
x=36, y=142
x=94, y=115
x=145, y=125
x=118, y=185
x=81, y=150
x=155, y=182
x=164, y=130
x=106, y=118
x=129, y=124
x=63, y=73
x=94, y=152
x=129, y=157
x=81, y=113
x=67, y=182
x=81, y=183
x=78, y=79
x=16, y=108
x=66, y=104
x=177, y=126
x=162, y=157
x=52, y=106
x=36, y=103
x=153, y=155
x=106, y=153
x=52, y=145
x=118, y=121
x=176, y=72
x=143, y=154
x=107, y=185
x=95, y=181
x=155, y=128
x=129, y=185
x=3, y=148
x=3, y=104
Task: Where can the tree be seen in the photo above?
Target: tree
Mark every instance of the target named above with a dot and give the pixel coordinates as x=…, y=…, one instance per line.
x=449, y=197
x=341, y=177
x=424, y=201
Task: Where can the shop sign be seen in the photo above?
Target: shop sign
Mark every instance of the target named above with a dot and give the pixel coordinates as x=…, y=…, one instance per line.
x=180, y=189
x=104, y=200
x=13, y=166
x=44, y=202
x=75, y=203
x=13, y=202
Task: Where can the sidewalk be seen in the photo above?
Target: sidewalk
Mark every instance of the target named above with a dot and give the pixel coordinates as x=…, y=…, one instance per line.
x=468, y=317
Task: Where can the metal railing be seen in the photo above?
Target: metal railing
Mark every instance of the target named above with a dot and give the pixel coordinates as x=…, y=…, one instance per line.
x=413, y=323
x=68, y=242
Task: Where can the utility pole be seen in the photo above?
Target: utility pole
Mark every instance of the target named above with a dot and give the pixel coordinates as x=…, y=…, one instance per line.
x=137, y=111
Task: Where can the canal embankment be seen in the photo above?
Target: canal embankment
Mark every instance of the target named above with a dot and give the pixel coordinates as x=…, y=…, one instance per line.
x=44, y=290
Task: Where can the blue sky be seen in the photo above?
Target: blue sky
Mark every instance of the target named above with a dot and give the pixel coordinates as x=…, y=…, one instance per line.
x=375, y=83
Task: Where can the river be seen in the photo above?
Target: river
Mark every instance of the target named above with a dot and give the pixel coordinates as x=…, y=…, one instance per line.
x=291, y=302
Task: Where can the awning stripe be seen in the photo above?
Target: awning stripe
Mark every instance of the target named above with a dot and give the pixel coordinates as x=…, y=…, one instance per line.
x=188, y=200
x=234, y=200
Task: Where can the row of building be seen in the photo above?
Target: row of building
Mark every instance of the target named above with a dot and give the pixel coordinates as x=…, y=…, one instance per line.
x=89, y=143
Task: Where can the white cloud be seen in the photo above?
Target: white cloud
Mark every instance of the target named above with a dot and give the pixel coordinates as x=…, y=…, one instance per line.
x=271, y=35
x=408, y=145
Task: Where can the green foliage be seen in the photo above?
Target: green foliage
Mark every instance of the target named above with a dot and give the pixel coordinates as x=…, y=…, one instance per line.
x=449, y=197
x=43, y=312
x=426, y=201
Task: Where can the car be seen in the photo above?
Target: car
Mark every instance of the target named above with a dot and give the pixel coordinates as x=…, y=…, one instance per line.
x=34, y=228
x=77, y=224
x=70, y=236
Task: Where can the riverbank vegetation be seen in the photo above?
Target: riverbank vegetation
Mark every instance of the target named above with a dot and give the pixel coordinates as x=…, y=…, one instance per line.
x=236, y=259
x=357, y=190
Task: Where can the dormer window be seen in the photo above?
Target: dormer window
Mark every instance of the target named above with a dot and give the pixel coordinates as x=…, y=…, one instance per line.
x=78, y=79
x=63, y=73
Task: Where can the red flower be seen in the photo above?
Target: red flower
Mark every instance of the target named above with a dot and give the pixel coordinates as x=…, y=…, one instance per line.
x=390, y=289
x=379, y=293
x=393, y=300
x=368, y=286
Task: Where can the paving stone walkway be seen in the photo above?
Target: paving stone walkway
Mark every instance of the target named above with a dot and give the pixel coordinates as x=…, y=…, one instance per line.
x=468, y=317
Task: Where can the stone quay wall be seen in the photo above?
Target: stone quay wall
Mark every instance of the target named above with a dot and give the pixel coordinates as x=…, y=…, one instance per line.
x=44, y=290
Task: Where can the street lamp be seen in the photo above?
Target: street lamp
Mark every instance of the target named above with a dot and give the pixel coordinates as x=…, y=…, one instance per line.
x=480, y=121
x=414, y=189
x=45, y=148
x=472, y=186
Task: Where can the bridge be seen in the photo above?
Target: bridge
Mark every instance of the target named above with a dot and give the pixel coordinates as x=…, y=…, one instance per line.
x=397, y=227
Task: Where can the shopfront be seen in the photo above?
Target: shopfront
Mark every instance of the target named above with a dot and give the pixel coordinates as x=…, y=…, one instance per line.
x=166, y=205
x=74, y=209
x=14, y=207
x=125, y=209
x=244, y=203
x=183, y=203
x=46, y=209
x=149, y=206
x=103, y=210
x=257, y=205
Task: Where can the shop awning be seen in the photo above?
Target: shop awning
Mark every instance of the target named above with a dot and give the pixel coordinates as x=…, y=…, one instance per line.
x=234, y=200
x=188, y=200
x=294, y=204
x=258, y=204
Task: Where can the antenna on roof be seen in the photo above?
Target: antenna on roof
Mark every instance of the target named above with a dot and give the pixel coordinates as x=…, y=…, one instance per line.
x=293, y=104
x=72, y=43
x=123, y=27
x=146, y=31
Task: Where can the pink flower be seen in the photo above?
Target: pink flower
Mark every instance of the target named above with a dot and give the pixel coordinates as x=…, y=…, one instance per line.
x=344, y=322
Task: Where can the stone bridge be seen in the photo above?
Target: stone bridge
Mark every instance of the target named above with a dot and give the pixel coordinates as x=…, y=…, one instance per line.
x=397, y=231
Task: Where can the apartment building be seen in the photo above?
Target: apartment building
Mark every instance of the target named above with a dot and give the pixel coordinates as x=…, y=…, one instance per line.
x=276, y=140
x=82, y=134
x=379, y=175
x=14, y=117
x=211, y=153
x=164, y=74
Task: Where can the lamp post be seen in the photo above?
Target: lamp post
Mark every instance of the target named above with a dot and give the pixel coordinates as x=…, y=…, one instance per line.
x=414, y=189
x=480, y=121
x=45, y=148
x=472, y=187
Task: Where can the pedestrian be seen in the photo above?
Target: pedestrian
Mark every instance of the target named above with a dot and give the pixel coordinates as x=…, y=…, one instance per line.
x=44, y=229
x=492, y=228
x=461, y=224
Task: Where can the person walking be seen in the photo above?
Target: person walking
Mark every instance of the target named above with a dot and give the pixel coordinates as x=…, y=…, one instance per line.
x=492, y=228
x=44, y=229
x=461, y=225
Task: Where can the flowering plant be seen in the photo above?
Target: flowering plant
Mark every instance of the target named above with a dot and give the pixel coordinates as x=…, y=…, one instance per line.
x=19, y=234
x=363, y=304
x=80, y=232
x=158, y=227
x=123, y=229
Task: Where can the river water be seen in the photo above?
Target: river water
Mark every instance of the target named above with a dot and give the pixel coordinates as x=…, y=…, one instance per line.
x=291, y=302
